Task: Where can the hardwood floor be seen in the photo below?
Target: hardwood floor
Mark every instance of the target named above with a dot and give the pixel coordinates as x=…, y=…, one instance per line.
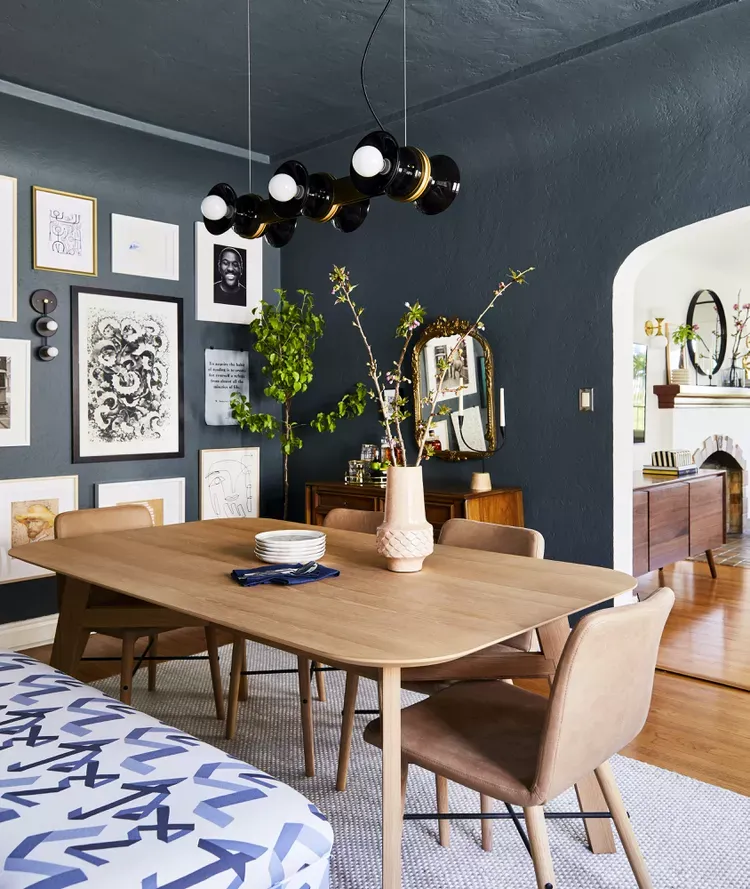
x=694, y=728
x=708, y=633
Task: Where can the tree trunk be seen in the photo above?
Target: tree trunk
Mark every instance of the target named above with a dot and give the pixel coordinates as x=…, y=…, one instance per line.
x=287, y=429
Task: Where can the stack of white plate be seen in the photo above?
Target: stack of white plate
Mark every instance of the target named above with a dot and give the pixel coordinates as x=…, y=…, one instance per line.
x=278, y=547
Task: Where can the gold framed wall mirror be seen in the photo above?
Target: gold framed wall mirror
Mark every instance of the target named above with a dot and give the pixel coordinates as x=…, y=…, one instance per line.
x=463, y=427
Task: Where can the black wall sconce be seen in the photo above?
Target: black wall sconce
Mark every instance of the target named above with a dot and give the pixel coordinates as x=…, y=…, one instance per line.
x=45, y=302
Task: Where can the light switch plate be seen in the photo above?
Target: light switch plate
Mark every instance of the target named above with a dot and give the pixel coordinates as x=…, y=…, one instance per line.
x=585, y=399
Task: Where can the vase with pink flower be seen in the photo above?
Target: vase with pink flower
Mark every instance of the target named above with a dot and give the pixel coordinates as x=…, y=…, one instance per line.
x=734, y=376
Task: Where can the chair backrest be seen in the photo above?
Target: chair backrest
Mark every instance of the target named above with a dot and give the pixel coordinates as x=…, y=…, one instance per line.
x=602, y=690
x=354, y=520
x=80, y=522
x=506, y=539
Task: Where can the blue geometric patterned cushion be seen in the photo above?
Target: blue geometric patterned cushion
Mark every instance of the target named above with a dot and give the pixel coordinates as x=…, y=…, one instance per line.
x=95, y=794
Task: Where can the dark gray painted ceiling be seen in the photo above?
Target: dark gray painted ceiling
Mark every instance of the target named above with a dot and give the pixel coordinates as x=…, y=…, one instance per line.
x=182, y=63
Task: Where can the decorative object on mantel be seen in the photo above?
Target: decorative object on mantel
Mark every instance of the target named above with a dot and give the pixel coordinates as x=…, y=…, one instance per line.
x=379, y=166
x=45, y=302
x=680, y=337
x=403, y=538
x=734, y=376
x=286, y=334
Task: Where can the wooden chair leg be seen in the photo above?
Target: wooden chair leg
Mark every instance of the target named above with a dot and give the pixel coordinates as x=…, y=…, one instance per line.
x=536, y=827
x=444, y=827
x=153, y=648
x=212, y=647
x=305, y=695
x=711, y=563
x=624, y=828
x=127, y=665
x=243, y=678
x=347, y=729
x=486, y=805
x=320, y=682
x=235, y=676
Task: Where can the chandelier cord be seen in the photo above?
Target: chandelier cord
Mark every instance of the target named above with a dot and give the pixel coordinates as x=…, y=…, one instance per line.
x=249, y=110
x=364, y=60
x=405, y=139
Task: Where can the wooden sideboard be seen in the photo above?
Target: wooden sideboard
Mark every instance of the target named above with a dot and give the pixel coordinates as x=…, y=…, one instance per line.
x=674, y=518
x=501, y=506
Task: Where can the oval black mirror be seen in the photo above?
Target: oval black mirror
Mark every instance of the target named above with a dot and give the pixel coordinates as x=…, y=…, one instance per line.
x=707, y=353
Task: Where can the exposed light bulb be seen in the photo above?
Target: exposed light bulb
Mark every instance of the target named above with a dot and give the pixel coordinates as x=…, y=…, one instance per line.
x=283, y=188
x=214, y=207
x=368, y=161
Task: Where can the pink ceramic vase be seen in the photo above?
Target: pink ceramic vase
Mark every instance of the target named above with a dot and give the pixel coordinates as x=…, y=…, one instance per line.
x=406, y=537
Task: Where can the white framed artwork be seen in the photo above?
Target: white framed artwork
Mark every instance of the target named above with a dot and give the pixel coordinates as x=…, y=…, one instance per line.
x=462, y=373
x=230, y=483
x=15, y=393
x=228, y=276
x=28, y=507
x=64, y=232
x=145, y=247
x=8, y=248
x=163, y=497
x=127, y=376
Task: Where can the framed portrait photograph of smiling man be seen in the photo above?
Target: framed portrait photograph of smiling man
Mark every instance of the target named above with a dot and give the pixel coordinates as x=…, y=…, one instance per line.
x=228, y=276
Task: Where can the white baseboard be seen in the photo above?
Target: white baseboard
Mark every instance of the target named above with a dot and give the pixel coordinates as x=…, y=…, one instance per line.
x=22, y=634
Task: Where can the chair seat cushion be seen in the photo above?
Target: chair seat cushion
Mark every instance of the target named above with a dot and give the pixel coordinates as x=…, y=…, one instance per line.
x=462, y=734
x=94, y=793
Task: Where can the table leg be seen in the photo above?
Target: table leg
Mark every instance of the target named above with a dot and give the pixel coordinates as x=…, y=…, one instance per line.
x=392, y=811
x=305, y=699
x=70, y=635
x=552, y=638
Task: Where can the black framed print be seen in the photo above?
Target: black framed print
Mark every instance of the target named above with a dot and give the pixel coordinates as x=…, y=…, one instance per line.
x=127, y=376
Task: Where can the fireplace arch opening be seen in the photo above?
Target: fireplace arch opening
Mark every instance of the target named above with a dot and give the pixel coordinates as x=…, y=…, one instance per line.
x=721, y=452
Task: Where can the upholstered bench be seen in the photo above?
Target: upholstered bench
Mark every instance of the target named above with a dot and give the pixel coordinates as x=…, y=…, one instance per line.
x=94, y=793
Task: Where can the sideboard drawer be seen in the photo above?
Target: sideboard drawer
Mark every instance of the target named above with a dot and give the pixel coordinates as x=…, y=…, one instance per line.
x=328, y=500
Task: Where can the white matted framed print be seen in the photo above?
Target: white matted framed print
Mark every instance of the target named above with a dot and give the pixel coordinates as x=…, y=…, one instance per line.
x=28, y=507
x=462, y=371
x=15, y=393
x=145, y=247
x=8, y=249
x=163, y=497
x=230, y=483
x=64, y=232
x=228, y=276
x=127, y=376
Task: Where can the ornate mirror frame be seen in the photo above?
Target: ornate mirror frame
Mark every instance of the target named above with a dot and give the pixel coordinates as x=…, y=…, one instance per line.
x=443, y=327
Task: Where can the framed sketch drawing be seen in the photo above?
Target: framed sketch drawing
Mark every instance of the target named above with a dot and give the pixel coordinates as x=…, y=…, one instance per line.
x=15, y=393
x=145, y=247
x=230, y=483
x=127, y=376
x=228, y=276
x=462, y=372
x=64, y=232
x=163, y=497
x=28, y=507
x=8, y=248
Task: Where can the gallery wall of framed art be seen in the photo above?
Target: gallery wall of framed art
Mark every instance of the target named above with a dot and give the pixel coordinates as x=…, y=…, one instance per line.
x=141, y=177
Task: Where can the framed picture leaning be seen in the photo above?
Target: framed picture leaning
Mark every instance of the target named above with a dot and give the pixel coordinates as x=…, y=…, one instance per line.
x=127, y=376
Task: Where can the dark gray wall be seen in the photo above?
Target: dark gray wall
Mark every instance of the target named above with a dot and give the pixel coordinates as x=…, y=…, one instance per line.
x=136, y=175
x=569, y=169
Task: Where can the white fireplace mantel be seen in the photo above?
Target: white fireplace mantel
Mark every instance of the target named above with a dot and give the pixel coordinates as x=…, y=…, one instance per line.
x=676, y=396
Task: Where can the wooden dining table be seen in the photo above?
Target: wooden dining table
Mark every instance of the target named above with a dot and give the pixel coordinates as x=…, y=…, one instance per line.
x=462, y=601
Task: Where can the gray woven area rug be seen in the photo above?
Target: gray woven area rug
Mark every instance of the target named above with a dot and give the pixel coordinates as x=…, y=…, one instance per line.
x=693, y=835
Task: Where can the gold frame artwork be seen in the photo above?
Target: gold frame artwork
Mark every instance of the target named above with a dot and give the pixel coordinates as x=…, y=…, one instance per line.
x=94, y=229
x=14, y=270
x=444, y=327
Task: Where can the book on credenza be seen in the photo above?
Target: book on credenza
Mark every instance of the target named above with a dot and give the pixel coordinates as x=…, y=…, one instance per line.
x=670, y=471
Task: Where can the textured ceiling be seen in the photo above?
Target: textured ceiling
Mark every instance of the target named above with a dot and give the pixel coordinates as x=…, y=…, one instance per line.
x=182, y=63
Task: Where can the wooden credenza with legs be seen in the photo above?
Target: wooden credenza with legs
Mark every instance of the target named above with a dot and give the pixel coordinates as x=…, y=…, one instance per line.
x=674, y=518
x=501, y=506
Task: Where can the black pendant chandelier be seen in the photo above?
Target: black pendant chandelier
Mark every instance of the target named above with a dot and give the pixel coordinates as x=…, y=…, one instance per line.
x=379, y=166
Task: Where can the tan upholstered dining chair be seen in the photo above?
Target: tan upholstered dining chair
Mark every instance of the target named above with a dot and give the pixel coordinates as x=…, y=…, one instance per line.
x=512, y=659
x=112, y=614
x=525, y=750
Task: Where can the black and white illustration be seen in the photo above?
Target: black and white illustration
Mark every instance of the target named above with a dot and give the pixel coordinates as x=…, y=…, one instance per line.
x=128, y=369
x=230, y=483
x=15, y=366
x=64, y=232
x=228, y=276
x=461, y=373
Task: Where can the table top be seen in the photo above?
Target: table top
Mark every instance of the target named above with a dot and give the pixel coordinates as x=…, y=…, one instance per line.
x=462, y=601
x=642, y=482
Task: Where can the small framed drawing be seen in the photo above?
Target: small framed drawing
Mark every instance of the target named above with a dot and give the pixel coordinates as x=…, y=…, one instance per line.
x=64, y=232
x=145, y=247
x=230, y=483
x=28, y=507
x=228, y=276
x=8, y=248
x=15, y=393
x=163, y=497
x=462, y=372
x=127, y=376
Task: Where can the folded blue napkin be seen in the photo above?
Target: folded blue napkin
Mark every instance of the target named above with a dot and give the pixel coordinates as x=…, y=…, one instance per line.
x=282, y=574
